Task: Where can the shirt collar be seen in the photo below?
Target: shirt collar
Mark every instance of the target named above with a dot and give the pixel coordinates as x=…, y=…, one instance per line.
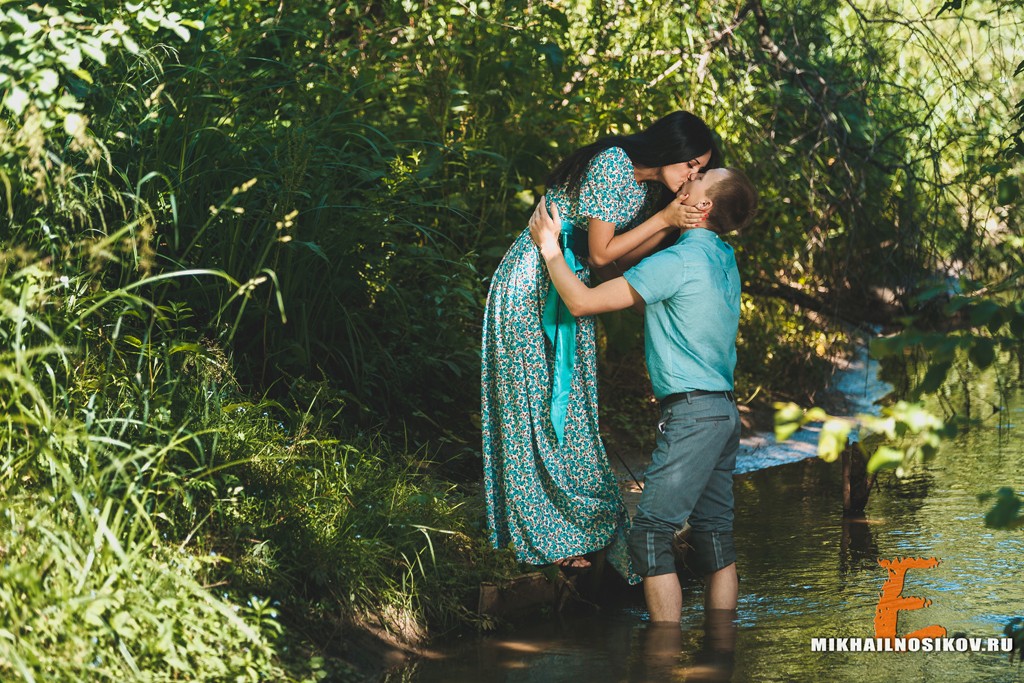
x=699, y=234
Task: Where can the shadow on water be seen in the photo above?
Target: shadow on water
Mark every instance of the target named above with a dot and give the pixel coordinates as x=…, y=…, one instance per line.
x=805, y=572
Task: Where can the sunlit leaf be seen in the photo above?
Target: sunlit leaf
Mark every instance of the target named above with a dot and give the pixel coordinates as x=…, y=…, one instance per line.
x=787, y=420
x=915, y=417
x=74, y=124
x=16, y=100
x=879, y=425
x=181, y=31
x=832, y=439
x=885, y=458
x=94, y=51
x=814, y=415
x=71, y=58
x=47, y=81
x=185, y=347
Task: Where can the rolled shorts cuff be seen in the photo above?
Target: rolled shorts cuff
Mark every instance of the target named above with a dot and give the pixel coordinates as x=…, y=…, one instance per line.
x=651, y=552
x=711, y=551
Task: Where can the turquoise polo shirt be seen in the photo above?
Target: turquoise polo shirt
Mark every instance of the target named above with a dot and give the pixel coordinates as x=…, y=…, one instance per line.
x=692, y=292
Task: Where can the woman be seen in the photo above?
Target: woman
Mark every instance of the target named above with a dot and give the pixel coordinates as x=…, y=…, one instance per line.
x=550, y=489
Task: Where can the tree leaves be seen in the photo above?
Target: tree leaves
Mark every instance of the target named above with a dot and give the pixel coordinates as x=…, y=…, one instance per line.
x=886, y=347
x=16, y=100
x=44, y=52
x=833, y=438
x=788, y=419
x=910, y=431
x=553, y=55
x=885, y=458
x=988, y=316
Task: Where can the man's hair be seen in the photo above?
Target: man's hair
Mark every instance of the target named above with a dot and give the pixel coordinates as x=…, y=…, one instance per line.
x=734, y=202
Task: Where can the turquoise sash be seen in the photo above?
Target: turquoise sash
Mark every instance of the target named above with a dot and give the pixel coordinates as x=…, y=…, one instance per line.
x=560, y=329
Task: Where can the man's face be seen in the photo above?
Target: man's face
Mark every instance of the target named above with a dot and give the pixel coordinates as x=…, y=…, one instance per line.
x=698, y=187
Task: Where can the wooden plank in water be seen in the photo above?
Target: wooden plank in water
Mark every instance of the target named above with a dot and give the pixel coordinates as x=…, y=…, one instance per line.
x=526, y=592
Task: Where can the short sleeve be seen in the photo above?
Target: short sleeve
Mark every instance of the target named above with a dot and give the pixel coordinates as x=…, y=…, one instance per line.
x=608, y=186
x=658, y=276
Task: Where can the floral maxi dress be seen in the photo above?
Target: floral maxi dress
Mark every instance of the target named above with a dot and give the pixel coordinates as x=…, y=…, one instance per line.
x=546, y=499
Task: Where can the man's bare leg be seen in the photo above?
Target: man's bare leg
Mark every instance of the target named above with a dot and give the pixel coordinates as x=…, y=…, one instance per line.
x=664, y=597
x=721, y=589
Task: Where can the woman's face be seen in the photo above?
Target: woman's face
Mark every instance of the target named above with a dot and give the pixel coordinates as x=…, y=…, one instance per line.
x=674, y=175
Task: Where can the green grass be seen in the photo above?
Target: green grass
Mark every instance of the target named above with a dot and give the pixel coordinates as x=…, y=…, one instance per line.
x=160, y=524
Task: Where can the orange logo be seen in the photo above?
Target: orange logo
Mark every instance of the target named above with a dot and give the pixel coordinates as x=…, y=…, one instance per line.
x=890, y=603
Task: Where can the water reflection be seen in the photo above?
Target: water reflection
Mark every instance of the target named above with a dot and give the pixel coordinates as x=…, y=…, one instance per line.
x=620, y=647
x=857, y=548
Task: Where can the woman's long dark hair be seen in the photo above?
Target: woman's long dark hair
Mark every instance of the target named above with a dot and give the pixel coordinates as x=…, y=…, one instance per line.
x=672, y=139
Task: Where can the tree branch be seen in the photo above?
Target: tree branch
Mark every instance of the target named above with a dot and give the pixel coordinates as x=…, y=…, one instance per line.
x=873, y=311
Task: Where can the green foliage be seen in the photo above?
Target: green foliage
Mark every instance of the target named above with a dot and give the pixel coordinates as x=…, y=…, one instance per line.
x=909, y=431
x=992, y=322
x=782, y=353
x=90, y=588
x=85, y=596
x=389, y=151
x=346, y=526
x=135, y=475
x=987, y=323
x=48, y=58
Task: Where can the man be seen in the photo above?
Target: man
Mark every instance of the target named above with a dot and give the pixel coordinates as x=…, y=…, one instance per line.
x=690, y=293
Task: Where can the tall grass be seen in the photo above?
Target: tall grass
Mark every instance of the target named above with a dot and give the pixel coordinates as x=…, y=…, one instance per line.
x=159, y=524
x=89, y=587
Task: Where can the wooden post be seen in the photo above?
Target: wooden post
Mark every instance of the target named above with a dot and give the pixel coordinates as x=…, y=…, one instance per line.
x=856, y=483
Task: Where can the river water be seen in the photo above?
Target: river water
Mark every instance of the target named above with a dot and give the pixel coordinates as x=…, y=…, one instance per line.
x=805, y=573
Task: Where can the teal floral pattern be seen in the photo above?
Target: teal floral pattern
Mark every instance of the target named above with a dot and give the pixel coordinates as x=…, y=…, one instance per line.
x=549, y=500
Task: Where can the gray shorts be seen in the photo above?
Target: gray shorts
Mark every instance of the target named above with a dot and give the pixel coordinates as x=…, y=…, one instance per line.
x=689, y=479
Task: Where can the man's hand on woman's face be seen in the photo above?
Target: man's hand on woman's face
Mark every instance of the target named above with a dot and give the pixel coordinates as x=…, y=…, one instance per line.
x=681, y=215
x=544, y=228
